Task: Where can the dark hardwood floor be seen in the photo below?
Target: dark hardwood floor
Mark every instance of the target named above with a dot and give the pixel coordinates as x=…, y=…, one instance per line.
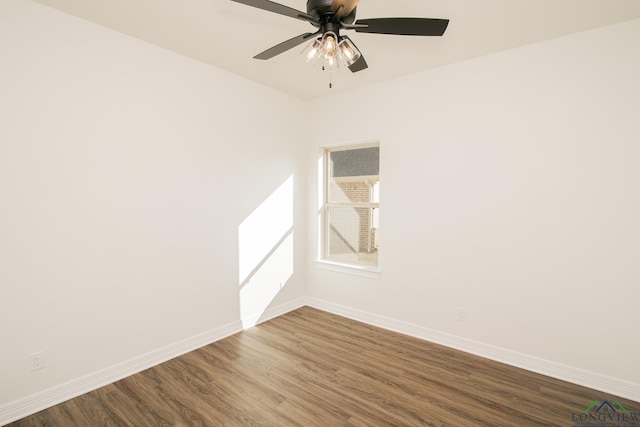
x=311, y=368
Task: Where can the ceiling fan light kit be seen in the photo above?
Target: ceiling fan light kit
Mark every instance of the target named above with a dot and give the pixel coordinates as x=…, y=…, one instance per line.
x=330, y=49
x=331, y=16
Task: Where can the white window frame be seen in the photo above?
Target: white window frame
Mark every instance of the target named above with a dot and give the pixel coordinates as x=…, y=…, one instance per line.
x=342, y=266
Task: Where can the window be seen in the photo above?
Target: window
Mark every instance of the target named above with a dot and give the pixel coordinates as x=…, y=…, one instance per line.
x=352, y=205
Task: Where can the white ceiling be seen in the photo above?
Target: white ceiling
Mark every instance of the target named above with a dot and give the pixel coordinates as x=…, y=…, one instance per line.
x=228, y=34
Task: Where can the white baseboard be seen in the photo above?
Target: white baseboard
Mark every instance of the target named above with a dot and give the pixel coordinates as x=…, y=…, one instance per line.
x=47, y=398
x=36, y=402
x=615, y=386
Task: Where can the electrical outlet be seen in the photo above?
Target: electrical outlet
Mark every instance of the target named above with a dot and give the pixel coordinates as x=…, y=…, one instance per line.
x=36, y=360
x=462, y=314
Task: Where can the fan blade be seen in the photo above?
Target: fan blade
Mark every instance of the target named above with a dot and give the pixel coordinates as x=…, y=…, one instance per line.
x=285, y=46
x=404, y=26
x=278, y=8
x=360, y=64
x=348, y=5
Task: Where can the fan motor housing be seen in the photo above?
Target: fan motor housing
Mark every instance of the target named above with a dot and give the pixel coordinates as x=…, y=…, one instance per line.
x=318, y=8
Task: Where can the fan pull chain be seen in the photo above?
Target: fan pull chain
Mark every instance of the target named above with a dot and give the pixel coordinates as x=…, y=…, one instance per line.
x=330, y=77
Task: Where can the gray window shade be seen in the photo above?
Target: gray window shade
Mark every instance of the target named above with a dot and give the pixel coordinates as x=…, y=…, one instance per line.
x=359, y=162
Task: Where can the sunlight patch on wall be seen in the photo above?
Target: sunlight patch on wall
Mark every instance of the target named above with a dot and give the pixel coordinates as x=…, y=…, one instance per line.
x=265, y=242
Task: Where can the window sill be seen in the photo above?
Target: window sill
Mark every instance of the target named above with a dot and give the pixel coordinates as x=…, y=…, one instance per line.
x=356, y=270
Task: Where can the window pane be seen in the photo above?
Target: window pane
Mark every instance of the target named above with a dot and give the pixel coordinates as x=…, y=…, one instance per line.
x=353, y=190
x=353, y=174
x=353, y=235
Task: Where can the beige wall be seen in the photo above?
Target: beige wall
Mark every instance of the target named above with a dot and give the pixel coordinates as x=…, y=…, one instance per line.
x=511, y=190
x=119, y=231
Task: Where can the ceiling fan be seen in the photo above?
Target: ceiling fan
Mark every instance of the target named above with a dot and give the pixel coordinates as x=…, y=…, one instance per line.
x=331, y=16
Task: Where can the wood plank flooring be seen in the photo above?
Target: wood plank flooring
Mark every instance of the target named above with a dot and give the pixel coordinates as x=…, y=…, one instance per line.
x=311, y=368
